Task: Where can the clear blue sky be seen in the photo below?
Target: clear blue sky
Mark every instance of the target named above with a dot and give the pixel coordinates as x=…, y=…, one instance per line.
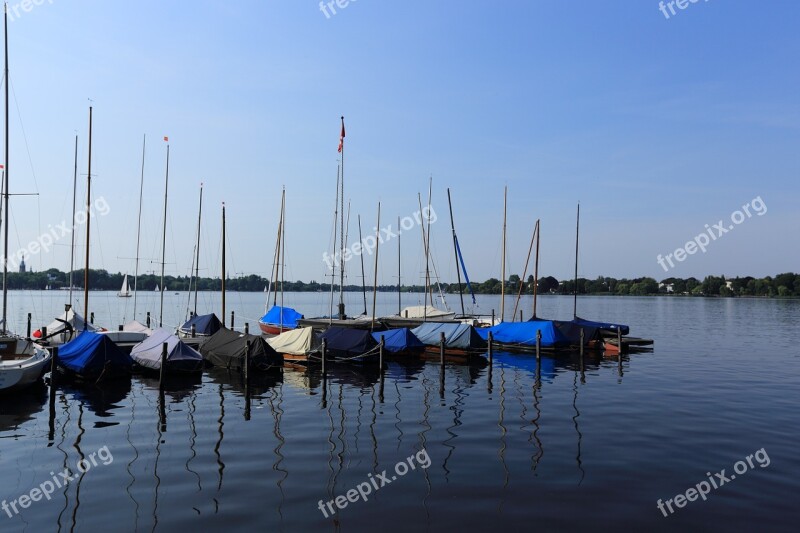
x=657, y=126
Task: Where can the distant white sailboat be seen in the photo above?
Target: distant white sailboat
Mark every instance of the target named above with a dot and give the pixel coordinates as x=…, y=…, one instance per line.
x=125, y=291
x=157, y=289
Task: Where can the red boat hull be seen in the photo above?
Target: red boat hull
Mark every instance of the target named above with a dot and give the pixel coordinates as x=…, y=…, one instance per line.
x=272, y=329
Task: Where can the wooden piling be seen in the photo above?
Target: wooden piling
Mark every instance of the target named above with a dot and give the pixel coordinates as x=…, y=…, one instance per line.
x=29, y=327
x=380, y=357
x=324, y=349
x=538, y=344
x=163, y=370
x=247, y=362
x=441, y=348
x=91, y=317
x=119, y=327
x=619, y=345
x=492, y=318
x=53, y=369
x=490, y=339
x=148, y=319
x=44, y=332
x=582, y=341
x=247, y=328
x=520, y=315
x=232, y=317
x=194, y=330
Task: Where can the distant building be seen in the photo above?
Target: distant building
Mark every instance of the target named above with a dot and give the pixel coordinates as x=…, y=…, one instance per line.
x=668, y=287
x=22, y=265
x=729, y=284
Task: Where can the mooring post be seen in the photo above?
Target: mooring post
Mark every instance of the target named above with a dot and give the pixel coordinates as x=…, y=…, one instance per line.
x=324, y=349
x=163, y=371
x=247, y=362
x=53, y=367
x=91, y=317
x=380, y=352
x=232, y=316
x=44, y=332
x=29, y=326
x=247, y=328
x=619, y=345
x=406, y=313
x=194, y=331
x=148, y=319
x=538, y=344
x=492, y=317
x=582, y=337
x=119, y=327
x=520, y=315
x=490, y=339
x=441, y=348
x=380, y=355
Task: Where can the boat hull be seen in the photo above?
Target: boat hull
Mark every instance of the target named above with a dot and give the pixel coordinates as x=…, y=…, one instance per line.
x=273, y=329
x=19, y=374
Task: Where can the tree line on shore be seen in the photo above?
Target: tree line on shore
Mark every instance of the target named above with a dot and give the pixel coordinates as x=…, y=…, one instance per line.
x=781, y=285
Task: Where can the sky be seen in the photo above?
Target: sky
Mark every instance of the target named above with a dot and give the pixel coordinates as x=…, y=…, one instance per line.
x=658, y=124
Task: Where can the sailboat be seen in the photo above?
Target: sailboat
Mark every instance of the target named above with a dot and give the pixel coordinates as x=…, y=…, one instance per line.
x=279, y=318
x=22, y=362
x=125, y=291
x=92, y=355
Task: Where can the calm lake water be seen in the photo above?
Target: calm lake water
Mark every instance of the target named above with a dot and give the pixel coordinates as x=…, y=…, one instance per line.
x=592, y=451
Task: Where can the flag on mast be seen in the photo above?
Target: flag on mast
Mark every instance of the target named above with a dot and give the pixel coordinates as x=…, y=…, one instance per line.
x=166, y=139
x=341, y=138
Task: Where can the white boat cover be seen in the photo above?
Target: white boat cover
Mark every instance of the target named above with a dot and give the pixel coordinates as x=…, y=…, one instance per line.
x=300, y=341
x=425, y=311
x=148, y=352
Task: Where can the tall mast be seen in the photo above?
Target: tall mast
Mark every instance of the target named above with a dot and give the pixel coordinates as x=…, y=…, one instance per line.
x=375, y=281
x=363, y=278
x=525, y=271
x=275, y=274
x=575, y=286
x=223, y=263
x=399, y=286
x=455, y=250
x=335, y=223
x=5, y=178
x=88, y=222
x=138, y=227
x=341, y=231
x=536, y=268
x=164, y=240
x=425, y=251
x=197, y=255
x=283, y=250
x=428, y=247
x=503, y=260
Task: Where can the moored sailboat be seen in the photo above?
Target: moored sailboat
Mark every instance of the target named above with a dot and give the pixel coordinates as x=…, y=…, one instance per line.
x=22, y=362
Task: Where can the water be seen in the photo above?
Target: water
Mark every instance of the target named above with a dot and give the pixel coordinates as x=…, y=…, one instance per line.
x=593, y=451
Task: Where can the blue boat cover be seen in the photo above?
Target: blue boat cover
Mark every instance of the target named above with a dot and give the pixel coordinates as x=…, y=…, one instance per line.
x=460, y=336
x=602, y=325
x=525, y=333
x=346, y=342
x=148, y=352
x=203, y=324
x=398, y=340
x=87, y=354
x=278, y=316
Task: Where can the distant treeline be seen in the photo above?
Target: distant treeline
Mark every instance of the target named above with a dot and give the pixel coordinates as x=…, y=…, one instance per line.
x=782, y=285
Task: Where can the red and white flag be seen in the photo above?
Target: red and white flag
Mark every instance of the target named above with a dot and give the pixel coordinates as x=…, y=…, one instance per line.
x=341, y=138
x=166, y=139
